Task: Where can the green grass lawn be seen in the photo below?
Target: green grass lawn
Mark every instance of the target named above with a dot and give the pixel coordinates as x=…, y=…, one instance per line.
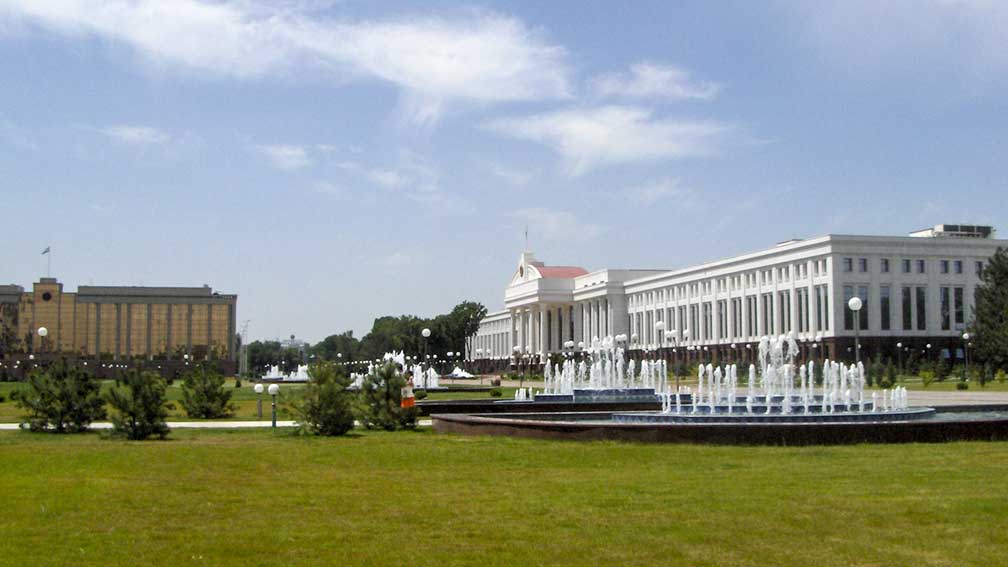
x=417, y=498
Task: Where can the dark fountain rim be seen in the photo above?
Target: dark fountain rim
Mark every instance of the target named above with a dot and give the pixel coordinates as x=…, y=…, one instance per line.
x=589, y=426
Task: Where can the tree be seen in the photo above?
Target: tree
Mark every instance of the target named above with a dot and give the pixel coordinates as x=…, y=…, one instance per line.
x=342, y=347
x=465, y=321
x=263, y=354
x=380, y=398
x=140, y=406
x=204, y=395
x=325, y=406
x=62, y=396
x=989, y=327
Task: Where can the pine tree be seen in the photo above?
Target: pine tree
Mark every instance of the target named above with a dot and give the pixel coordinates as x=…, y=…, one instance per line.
x=139, y=404
x=380, y=397
x=989, y=327
x=204, y=395
x=325, y=406
x=62, y=396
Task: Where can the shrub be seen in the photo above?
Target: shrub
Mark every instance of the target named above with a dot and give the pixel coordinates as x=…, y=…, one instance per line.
x=380, y=398
x=940, y=371
x=962, y=385
x=496, y=393
x=891, y=373
x=927, y=377
x=1001, y=376
x=2, y=399
x=237, y=382
x=420, y=394
x=325, y=405
x=140, y=407
x=204, y=396
x=62, y=396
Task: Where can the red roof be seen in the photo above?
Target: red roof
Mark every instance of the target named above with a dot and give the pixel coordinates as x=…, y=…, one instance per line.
x=561, y=271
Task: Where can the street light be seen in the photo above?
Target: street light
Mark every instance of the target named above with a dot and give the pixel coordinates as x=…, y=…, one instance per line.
x=273, y=391
x=258, y=388
x=425, y=333
x=966, y=338
x=855, y=305
x=899, y=355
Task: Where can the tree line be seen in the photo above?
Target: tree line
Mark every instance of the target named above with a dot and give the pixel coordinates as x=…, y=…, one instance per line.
x=449, y=332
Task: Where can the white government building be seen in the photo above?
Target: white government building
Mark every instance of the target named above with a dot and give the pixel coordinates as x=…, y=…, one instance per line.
x=916, y=290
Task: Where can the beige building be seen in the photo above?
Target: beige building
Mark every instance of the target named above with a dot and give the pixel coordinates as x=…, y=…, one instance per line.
x=121, y=322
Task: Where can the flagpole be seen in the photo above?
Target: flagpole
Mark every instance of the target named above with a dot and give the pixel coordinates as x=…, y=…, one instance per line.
x=48, y=263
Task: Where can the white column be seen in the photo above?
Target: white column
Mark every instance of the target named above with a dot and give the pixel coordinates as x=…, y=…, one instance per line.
x=542, y=330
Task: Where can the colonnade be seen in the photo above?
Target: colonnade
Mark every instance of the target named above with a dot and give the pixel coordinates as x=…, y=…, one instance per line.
x=545, y=327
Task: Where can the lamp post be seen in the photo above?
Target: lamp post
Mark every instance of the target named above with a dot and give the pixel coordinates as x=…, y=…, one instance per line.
x=258, y=388
x=855, y=305
x=42, y=333
x=425, y=333
x=966, y=338
x=273, y=391
x=899, y=356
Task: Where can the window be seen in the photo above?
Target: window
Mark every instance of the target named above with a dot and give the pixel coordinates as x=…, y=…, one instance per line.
x=848, y=315
x=884, y=307
x=907, y=308
x=944, y=266
x=884, y=265
x=862, y=265
x=920, y=266
x=979, y=269
x=958, y=266
x=784, y=311
x=960, y=314
x=906, y=266
x=921, y=293
x=863, y=314
x=848, y=264
x=946, y=308
x=768, y=314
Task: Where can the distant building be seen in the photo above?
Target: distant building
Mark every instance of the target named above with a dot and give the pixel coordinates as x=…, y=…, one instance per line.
x=917, y=293
x=120, y=322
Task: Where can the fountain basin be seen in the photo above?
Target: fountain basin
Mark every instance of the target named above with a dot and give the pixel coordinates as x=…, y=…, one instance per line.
x=979, y=423
x=740, y=415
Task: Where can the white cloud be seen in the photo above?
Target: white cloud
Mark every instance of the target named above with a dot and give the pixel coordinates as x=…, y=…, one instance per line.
x=135, y=135
x=658, y=81
x=386, y=177
x=482, y=57
x=556, y=226
x=285, y=157
x=658, y=190
x=513, y=175
x=588, y=138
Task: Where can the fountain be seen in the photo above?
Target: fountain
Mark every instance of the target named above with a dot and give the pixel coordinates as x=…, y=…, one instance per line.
x=783, y=392
x=601, y=375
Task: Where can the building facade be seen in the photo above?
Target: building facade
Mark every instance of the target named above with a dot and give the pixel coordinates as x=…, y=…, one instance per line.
x=119, y=322
x=917, y=295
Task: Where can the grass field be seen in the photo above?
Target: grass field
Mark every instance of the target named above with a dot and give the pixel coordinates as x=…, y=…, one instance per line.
x=416, y=498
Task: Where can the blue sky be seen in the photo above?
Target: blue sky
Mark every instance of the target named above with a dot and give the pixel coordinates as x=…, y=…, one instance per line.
x=330, y=162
